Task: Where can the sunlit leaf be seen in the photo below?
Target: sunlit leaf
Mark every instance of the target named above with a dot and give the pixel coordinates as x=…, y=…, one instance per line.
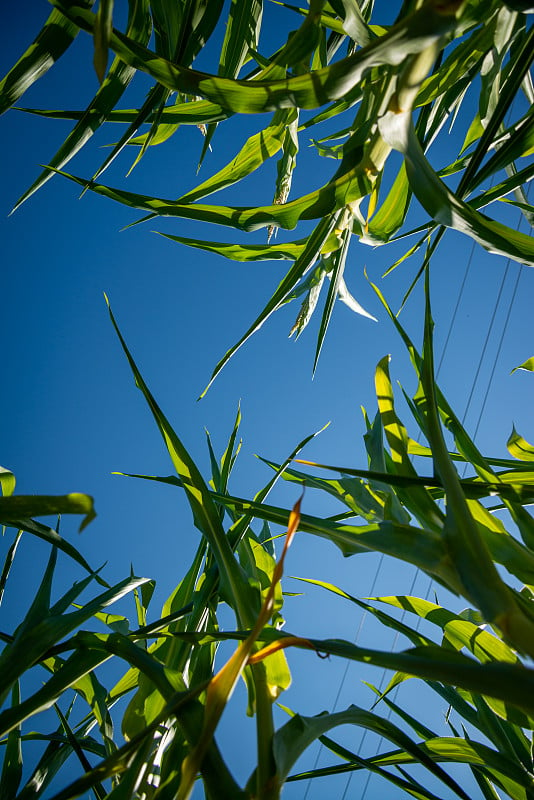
x=55, y=37
x=13, y=509
x=527, y=365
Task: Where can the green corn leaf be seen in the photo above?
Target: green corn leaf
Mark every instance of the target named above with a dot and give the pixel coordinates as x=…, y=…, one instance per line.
x=11, y=775
x=508, y=484
x=230, y=454
x=202, y=22
x=98, y=111
x=509, y=184
x=297, y=735
x=509, y=739
x=495, y=679
x=98, y=699
x=355, y=24
x=418, y=499
x=129, y=763
x=425, y=551
x=519, y=447
x=10, y=557
x=168, y=758
x=218, y=780
x=52, y=537
x=464, y=59
x=221, y=686
x=303, y=263
x=484, y=759
x=152, y=108
x=241, y=35
x=256, y=150
x=98, y=789
x=72, y=670
x=244, y=252
x=527, y=365
x=191, y=112
x=326, y=20
x=501, y=769
x=147, y=701
x=391, y=213
x=417, y=449
x=159, y=132
x=14, y=509
x=55, y=754
x=335, y=265
x=378, y=461
x=102, y=32
x=239, y=528
x=460, y=632
x=518, y=144
x=347, y=188
x=180, y=34
x=416, y=725
x=7, y=482
x=55, y=37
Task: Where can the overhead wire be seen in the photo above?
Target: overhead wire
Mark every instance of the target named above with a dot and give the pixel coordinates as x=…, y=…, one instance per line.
x=520, y=271
x=347, y=666
x=499, y=348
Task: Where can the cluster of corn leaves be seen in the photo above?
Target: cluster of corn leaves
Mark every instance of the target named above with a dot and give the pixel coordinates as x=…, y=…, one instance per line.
x=176, y=693
x=176, y=690
x=390, y=88
x=372, y=89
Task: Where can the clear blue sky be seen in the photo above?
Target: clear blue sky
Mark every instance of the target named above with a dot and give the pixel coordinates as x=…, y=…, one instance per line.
x=70, y=414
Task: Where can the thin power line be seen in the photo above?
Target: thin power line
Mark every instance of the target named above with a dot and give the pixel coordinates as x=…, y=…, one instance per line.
x=347, y=665
x=380, y=686
x=456, y=307
x=505, y=326
x=486, y=341
x=501, y=340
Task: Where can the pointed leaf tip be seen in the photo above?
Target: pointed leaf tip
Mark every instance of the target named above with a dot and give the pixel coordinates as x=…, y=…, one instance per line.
x=527, y=366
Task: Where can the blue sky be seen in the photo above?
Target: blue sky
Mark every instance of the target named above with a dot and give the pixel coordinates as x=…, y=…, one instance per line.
x=70, y=414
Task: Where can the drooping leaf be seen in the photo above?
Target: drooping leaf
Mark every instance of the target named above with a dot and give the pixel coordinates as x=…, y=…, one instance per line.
x=14, y=509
